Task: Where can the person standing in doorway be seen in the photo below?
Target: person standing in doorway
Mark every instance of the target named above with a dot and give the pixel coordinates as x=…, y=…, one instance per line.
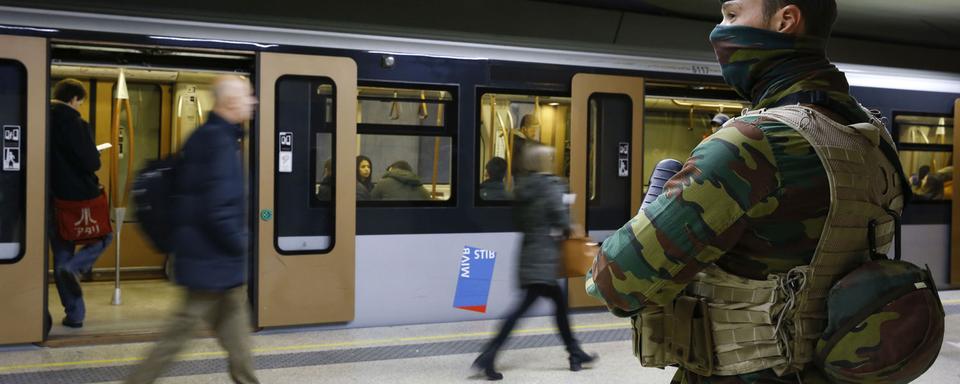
x=74, y=163
x=211, y=238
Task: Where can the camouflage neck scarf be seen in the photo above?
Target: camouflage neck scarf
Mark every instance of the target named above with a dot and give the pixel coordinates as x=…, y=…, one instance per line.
x=765, y=67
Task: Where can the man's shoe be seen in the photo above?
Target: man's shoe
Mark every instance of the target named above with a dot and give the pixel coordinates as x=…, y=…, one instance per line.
x=71, y=324
x=70, y=281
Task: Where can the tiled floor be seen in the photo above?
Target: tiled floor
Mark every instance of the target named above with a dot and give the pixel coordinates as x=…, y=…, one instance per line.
x=528, y=362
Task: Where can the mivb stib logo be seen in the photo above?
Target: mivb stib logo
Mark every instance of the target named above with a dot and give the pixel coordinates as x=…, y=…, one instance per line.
x=474, y=277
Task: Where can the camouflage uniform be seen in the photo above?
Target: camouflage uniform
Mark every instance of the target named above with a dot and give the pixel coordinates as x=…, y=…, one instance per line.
x=752, y=198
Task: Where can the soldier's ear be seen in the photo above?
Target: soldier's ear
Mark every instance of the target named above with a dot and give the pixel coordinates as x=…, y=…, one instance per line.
x=791, y=21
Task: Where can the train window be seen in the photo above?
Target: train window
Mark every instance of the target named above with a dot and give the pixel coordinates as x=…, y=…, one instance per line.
x=304, y=197
x=609, y=135
x=609, y=121
x=402, y=107
x=13, y=117
x=406, y=144
x=508, y=121
x=926, y=152
x=673, y=126
x=924, y=129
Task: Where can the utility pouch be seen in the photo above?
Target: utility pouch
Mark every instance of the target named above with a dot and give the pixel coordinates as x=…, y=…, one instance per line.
x=692, y=343
x=652, y=335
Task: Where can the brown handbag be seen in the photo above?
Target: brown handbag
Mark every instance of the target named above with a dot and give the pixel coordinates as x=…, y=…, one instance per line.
x=578, y=254
x=83, y=221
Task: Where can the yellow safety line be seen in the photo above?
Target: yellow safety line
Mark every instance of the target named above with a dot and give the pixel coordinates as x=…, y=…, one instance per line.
x=949, y=302
x=372, y=342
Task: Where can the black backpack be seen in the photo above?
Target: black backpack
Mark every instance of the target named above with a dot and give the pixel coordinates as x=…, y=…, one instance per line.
x=153, y=193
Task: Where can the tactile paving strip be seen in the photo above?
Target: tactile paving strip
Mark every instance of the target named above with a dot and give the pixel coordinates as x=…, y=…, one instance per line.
x=307, y=359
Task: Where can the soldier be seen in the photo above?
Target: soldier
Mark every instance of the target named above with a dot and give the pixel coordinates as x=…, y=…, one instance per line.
x=748, y=208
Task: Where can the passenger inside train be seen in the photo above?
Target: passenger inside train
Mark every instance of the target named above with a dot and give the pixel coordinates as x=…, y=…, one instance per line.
x=493, y=188
x=325, y=186
x=364, y=177
x=399, y=183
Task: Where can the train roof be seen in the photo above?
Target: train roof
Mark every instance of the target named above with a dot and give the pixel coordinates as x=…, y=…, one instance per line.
x=266, y=37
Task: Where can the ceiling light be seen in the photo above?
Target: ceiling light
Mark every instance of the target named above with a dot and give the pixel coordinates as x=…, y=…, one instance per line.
x=50, y=30
x=258, y=45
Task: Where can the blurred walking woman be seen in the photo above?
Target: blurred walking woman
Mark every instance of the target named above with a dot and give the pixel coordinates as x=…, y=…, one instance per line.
x=544, y=220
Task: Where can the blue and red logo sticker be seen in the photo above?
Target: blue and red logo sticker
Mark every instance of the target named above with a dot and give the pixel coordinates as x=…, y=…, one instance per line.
x=474, y=275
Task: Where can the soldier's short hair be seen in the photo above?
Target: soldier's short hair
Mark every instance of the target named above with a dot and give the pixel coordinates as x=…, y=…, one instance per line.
x=819, y=14
x=65, y=90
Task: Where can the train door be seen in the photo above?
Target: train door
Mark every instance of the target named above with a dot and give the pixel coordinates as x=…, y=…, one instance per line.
x=955, y=224
x=305, y=272
x=606, y=144
x=23, y=102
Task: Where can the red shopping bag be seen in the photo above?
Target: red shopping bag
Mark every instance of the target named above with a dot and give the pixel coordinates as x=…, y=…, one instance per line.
x=83, y=221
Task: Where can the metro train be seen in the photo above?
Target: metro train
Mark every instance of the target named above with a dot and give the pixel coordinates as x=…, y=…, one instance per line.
x=320, y=256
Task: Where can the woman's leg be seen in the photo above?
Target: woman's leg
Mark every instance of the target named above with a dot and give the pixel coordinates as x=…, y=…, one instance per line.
x=485, y=361
x=555, y=293
x=577, y=356
x=530, y=296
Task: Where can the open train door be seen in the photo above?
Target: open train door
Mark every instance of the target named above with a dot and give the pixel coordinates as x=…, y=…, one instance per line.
x=606, y=148
x=305, y=260
x=955, y=214
x=23, y=114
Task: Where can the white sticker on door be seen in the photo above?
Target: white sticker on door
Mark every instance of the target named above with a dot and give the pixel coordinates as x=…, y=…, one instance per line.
x=11, y=159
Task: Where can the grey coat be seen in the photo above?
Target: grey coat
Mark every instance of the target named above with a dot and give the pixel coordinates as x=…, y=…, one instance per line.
x=399, y=184
x=543, y=218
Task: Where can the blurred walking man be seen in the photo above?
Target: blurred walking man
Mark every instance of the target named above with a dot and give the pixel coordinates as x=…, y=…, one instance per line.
x=211, y=238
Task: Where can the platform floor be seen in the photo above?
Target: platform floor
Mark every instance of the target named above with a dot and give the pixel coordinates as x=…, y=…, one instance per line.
x=432, y=353
x=145, y=305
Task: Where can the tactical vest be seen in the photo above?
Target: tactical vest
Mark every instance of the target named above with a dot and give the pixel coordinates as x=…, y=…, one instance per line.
x=725, y=325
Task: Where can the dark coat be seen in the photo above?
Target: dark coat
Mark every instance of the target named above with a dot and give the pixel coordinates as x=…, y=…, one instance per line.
x=493, y=190
x=210, y=253
x=399, y=184
x=520, y=142
x=325, y=191
x=73, y=155
x=543, y=218
x=363, y=192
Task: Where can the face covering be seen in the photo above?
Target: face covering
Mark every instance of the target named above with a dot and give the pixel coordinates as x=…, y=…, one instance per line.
x=766, y=67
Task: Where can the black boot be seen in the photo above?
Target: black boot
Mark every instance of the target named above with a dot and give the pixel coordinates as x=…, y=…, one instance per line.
x=484, y=363
x=578, y=358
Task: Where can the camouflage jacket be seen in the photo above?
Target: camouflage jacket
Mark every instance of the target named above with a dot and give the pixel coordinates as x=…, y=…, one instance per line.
x=752, y=198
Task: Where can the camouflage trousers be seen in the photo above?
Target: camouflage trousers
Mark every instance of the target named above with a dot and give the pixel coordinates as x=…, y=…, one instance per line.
x=810, y=375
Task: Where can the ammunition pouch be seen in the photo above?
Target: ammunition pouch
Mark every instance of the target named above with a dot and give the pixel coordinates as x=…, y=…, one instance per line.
x=721, y=325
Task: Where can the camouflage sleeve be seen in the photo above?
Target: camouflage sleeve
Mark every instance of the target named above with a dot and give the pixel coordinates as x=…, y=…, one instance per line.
x=699, y=216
